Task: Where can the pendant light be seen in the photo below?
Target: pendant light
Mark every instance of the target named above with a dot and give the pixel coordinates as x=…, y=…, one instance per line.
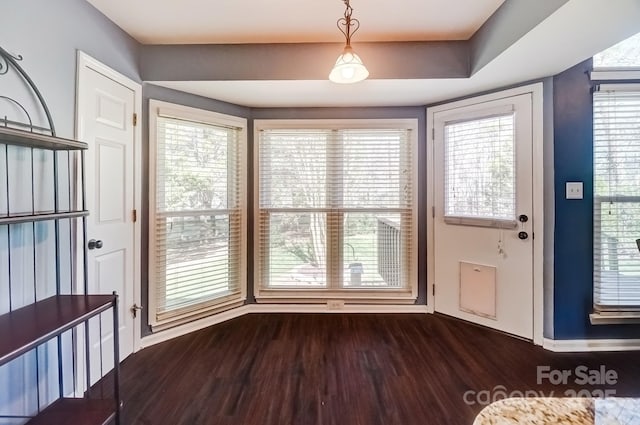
x=349, y=67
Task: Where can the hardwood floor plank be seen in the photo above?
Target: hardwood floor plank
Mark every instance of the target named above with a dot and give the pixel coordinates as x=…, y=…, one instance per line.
x=341, y=369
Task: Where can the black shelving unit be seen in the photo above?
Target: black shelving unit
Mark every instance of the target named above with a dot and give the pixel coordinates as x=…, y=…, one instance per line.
x=28, y=327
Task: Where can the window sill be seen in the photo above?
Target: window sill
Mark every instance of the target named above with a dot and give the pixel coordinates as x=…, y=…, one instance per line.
x=481, y=222
x=323, y=296
x=197, y=315
x=615, y=318
x=615, y=74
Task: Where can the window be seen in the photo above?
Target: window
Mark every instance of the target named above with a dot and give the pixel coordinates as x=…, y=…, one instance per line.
x=197, y=203
x=336, y=209
x=616, y=152
x=624, y=55
x=619, y=62
x=480, y=176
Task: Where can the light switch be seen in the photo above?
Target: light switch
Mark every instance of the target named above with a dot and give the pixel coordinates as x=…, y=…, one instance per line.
x=574, y=190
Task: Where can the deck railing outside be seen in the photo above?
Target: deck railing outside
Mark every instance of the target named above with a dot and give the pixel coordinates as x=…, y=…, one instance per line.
x=389, y=251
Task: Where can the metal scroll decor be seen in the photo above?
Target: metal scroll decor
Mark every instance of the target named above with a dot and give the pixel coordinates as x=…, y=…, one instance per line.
x=7, y=62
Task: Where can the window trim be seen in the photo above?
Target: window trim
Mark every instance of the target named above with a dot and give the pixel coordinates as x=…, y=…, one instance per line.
x=494, y=223
x=615, y=74
x=322, y=295
x=159, y=108
x=604, y=310
x=542, y=227
x=611, y=315
x=461, y=220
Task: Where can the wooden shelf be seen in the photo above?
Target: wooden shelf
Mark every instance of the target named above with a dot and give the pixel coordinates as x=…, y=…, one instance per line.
x=15, y=137
x=83, y=411
x=24, y=329
x=27, y=327
x=15, y=219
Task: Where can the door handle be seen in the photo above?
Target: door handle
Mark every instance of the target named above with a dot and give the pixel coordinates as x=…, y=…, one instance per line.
x=134, y=310
x=523, y=235
x=94, y=244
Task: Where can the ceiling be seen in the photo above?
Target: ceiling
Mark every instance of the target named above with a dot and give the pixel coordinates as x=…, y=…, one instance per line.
x=291, y=21
x=571, y=32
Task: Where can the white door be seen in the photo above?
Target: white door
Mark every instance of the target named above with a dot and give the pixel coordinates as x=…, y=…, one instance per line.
x=483, y=214
x=105, y=114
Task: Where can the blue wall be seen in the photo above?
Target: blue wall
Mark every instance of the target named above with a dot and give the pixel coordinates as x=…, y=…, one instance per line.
x=573, y=161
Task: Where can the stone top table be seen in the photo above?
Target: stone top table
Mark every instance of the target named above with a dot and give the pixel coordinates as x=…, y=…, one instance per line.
x=557, y=411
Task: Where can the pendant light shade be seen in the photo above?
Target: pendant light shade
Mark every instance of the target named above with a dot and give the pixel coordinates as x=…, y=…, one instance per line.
x=349, y=67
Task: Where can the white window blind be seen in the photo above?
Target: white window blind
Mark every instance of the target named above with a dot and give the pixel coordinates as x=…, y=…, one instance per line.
x=198, y=219
x=480, y=176
x=336, y=209
x=616, y=156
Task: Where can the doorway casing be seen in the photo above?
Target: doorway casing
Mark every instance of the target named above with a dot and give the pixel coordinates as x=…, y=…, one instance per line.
x=536, y=91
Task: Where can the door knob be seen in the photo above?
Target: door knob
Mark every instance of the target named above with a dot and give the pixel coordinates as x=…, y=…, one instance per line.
x=94, y=244
x=523, y=218
x=134, y=310
x=523, y=235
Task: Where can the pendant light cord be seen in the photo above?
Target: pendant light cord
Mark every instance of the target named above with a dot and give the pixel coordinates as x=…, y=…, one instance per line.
x=348, y=25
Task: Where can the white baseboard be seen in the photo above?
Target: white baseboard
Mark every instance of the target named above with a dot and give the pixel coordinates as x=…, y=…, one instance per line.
x=558, y=346
x=586, y=345
x=347, y=308
x=196, y=325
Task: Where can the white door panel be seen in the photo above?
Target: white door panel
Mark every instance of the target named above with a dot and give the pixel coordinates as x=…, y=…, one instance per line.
x=111, y=172
x=106, y=109
x=483, y=270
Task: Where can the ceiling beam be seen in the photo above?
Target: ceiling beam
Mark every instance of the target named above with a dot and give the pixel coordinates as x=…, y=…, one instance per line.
x=512, y=20
x=313, y=61
x=301, y=61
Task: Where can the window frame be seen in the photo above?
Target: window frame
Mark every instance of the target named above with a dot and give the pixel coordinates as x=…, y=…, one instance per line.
x=491, y=222
x=163, y=109
x=406, y=295
x=618, y=72
x=603, y=315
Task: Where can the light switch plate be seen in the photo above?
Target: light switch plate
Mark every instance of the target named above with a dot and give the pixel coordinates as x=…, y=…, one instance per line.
x=574, y=190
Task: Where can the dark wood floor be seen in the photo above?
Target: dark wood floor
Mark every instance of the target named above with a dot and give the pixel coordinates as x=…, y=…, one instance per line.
x=343, y=370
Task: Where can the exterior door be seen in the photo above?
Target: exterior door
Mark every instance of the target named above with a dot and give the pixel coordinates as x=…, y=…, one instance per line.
x=483, y=214
x=105, y=114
